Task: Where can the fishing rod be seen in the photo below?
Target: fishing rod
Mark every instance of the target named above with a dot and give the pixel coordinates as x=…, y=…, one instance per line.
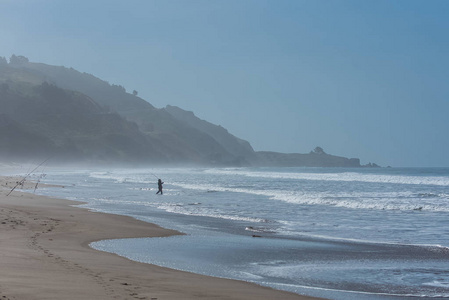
x=24, y=178
x=39, y=179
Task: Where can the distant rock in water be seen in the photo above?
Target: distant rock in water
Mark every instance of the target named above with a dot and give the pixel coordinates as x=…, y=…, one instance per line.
x=77, y=117
x=371, y=165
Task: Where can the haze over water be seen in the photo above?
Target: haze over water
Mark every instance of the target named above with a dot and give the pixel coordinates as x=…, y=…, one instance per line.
x=335, y=233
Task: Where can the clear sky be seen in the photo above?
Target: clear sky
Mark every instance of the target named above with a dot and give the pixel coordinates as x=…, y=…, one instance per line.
x=367, y=79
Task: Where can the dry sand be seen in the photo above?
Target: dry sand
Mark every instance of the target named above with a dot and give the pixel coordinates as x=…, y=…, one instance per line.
x=44, y=254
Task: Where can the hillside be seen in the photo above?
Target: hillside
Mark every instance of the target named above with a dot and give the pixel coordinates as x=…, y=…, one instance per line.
x=61, y=112
x=237, y=147
x=44, y=120
x=182, y=144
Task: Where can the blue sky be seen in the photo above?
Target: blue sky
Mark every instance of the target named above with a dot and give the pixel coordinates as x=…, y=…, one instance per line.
x=367, y=79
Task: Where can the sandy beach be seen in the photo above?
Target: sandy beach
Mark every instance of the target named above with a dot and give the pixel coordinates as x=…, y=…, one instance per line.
x=45, y=255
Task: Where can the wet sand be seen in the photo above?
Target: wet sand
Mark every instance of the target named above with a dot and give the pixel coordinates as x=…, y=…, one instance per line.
x=44, y=254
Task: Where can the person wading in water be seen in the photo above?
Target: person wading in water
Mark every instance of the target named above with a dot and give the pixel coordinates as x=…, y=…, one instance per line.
x=159, y=185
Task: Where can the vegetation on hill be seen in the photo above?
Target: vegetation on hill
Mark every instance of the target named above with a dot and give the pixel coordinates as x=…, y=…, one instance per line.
x=73, y=116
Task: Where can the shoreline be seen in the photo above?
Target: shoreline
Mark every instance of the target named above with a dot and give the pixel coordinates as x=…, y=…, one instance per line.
x=45, y=254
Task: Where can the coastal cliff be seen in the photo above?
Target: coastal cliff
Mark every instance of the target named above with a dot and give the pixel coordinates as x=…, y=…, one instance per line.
x=73, y=116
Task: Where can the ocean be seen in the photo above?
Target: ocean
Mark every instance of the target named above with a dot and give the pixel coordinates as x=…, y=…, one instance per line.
x=368, y=233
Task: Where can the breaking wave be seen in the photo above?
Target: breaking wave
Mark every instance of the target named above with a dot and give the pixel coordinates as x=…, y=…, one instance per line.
x=356, y=200
x=345, y=177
